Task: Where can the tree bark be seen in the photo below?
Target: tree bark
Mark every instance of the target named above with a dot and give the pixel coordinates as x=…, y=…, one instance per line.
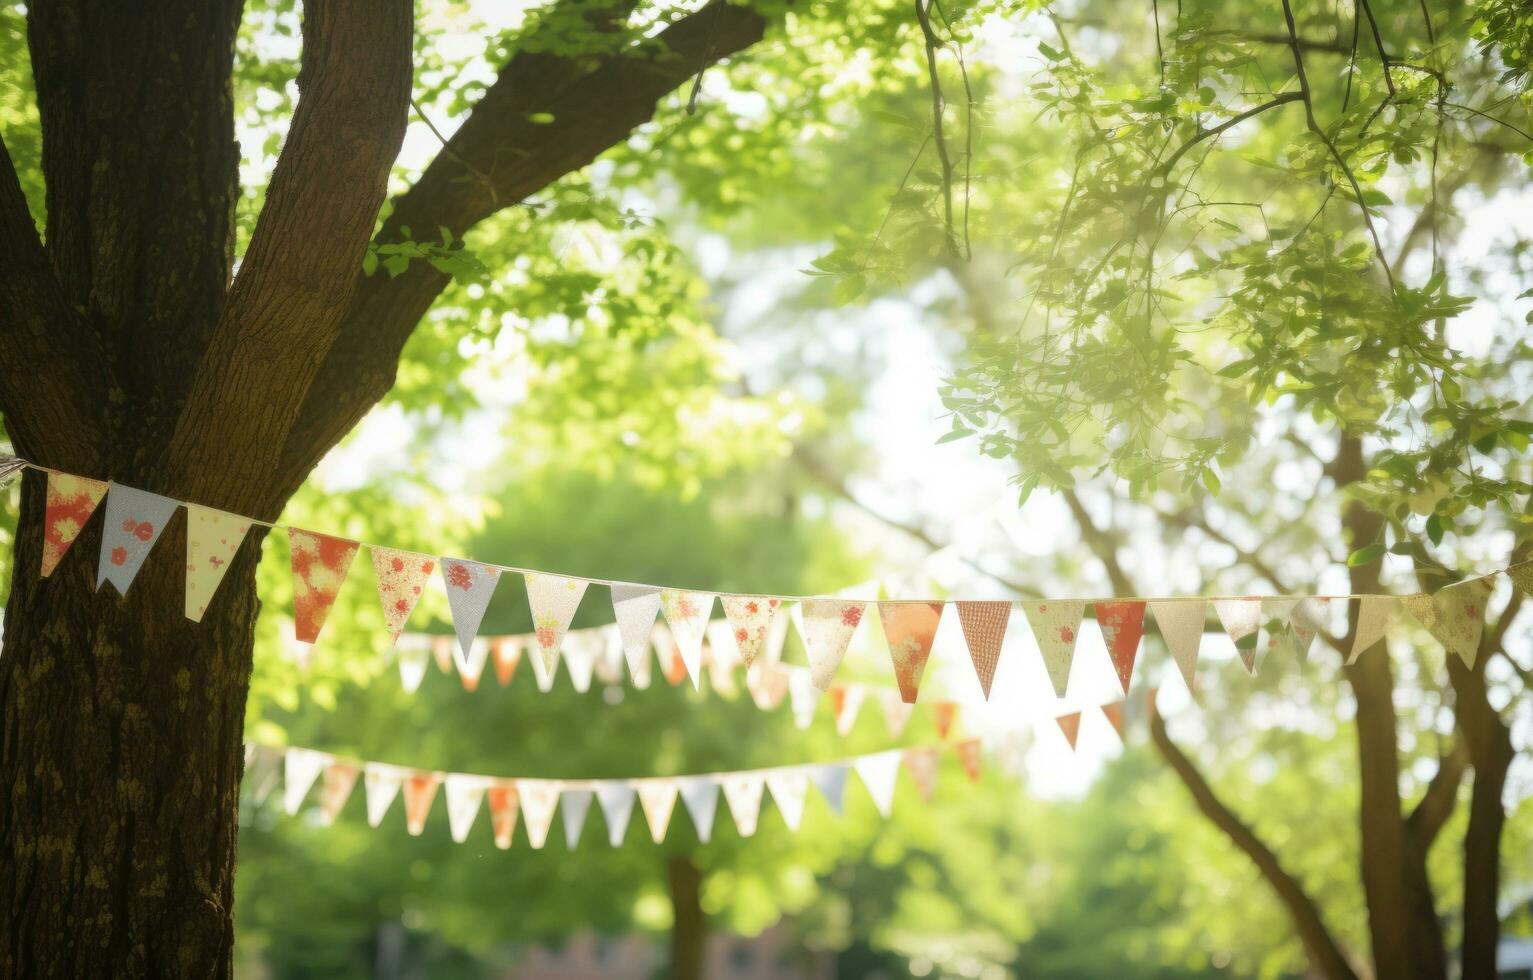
x=689, y=930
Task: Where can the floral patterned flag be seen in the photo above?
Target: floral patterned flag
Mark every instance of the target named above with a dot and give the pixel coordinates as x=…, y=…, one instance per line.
x=1376, y=616
x=970, y=757
x=1308, y=620
x=896, y=713
x=320, y=564
x=1181, y=626
x=574, y=805
x=539, y=798
x=420, y=790
x=701, y=796
x=464, y=795
x=789, y=788
x=658, y=799
x=686, y=613
x=469, y=588
x=554, y=600
x=507, y=651
x=1242, y=620
x=878, y=773
x=617, y=808
x=505, y=805
x=212, y=538
x=1455, y=616
x=401, y=576
x=909, y=628
x=1522, y=576
x=70, y=501
x=1070, y=724
x=827, y=628
x=750, y=619
x=1056, y=623
x=1122, y=625
x=921, y=763
x=1113, y=712
x=944, y=714
x=830, y=780
x=743, y=792
x=471, y=666
x=845, y=703
x=340, y=779
x=635, y=607
x=134, y=520
x=802, y=697
x=544, y=672
x=381, y=782
x=300, y=768
x=984, y=630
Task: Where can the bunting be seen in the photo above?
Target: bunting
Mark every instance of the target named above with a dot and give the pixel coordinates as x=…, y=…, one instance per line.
x=401, y=576
x=381, y=783
x=750, y=618
x=830, y=780
x=701, y=796
x=538, y=799
x=657, y=797
x=616, y=801
x=212, y=538
x=827, y=628
x=1455, y=616
x=686, y=614
x=470, y=586
x=635, y=607
x=1122, y=626
x=1242, y=620
x=743, y=792
x=1056, y=624
x=878, y=773
x=134, y=521
x=69, y=501
x=464, y=795
x=984, y=630
x=553, y=600
x=505, y=805
x=789, y=789
x=320, y=564
x=575, y=804
x=340, y=780
x=419, y=790
x=909, y=629
x=1376, y=615
x=1181, y=626
x=1070, y=725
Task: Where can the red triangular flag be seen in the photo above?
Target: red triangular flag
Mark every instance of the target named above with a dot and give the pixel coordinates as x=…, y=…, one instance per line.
x=1070, y=724
x=1114, y=713
x=320, y=563
x=909, y=628
x=969, y=757
x=944, y=713
x=70, y=501
x=1122, y=625
x=507, y=653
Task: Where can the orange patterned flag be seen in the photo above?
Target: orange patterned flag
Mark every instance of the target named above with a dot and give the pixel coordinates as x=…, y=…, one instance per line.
x=507, y=652
x=1122, y=626
x=984, y=630
x=969, y=757
x=1070, y=724
x=921, y=763
x=70, y=501
x=340, y=779
x=320, y=564
x=1114, y=713
x=504, y=806
x=909, y=628
x=944, y=713
x=420, y=790
x=401, y=576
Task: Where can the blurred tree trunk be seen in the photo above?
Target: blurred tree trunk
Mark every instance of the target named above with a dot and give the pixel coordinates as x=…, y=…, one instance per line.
x=689, y=930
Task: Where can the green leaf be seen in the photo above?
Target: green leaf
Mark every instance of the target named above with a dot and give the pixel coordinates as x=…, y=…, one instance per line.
x=1210, y=480
x=1435, y=529
x=1365, y=554
x=955, y=434
x=540, y=118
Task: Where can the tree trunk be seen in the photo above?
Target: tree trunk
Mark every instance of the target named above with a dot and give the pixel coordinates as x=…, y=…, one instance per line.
x=121, y=760
x=689, y=931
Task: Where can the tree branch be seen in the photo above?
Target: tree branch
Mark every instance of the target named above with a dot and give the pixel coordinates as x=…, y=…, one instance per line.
x=285, y=308
x=1441, y=796
x=592, y=109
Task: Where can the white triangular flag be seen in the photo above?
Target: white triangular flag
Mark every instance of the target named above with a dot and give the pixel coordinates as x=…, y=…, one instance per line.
x=582, y=648
x=896, y=712
x=381, y=783
x=539, y=798
x=464, y=795
x=830, y=780
x=750, y=622
x=635, y=607
x=1242, y=620
x=743, y=791
x=575, y=805
x=790, y=787
x=826, y=626
x=616, y=800
x=340, y=778
x=544, y=671
x=802, y=696
x=1309, y=619
x=414, y=653
x=1376, y=615
x=1056, y=624
x=1181, y=626
x=878, y=773
x=658, y=798
x=701, y=795
x=846, y=699
x=687, y=613
x=212, y=538
x=553, y=600
x=471, y=667
x=470, y=585
x=300, y=768
x=134, y=520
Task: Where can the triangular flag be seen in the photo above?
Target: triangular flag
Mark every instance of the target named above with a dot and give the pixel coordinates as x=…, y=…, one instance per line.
x=420, y=790
x=382, y=784
x=768, y=684
x=830, y=780
x=1308, y=620
x=507, y=651
x=658, y=798
x=401, y=577
x=70, y=501
x=896, y=713
x=470, y=667
x=984, y=630
x=1070, y=724
x=686, y=613
x=539, y=798
x=300, y=768
x=505, y=804
x=1455, y=616
x=909, y=628
x=581, y=650
x=262, y=764
x=743, y=791
x=1522, y=576
x=944, y=714
x=1242, y=620
x=970, y=757
x=340, y=779
x=576, y=803
x=470, y=585
x=826, y=626
x=1181, y=626
x=790, y=788
x=1276, y=612
x=750, y=620
x=701, y=796
x=544, y=671
x=1056, y=623
x=1122, y=626
x=635, y=607
x=554, y=600
x=616, y=800
x=802, y=697
x=134, y=520
x=442, y=653
x=878, y=773
x=320, y=564
x=922, y=765
x=1376, y=615
x=464, y=794
x=413, y=657
x=846, y=701
x=212, y=538
x=1113, y=711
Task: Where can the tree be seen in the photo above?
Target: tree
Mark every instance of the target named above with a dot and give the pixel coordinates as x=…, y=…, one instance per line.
x=134, y=347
